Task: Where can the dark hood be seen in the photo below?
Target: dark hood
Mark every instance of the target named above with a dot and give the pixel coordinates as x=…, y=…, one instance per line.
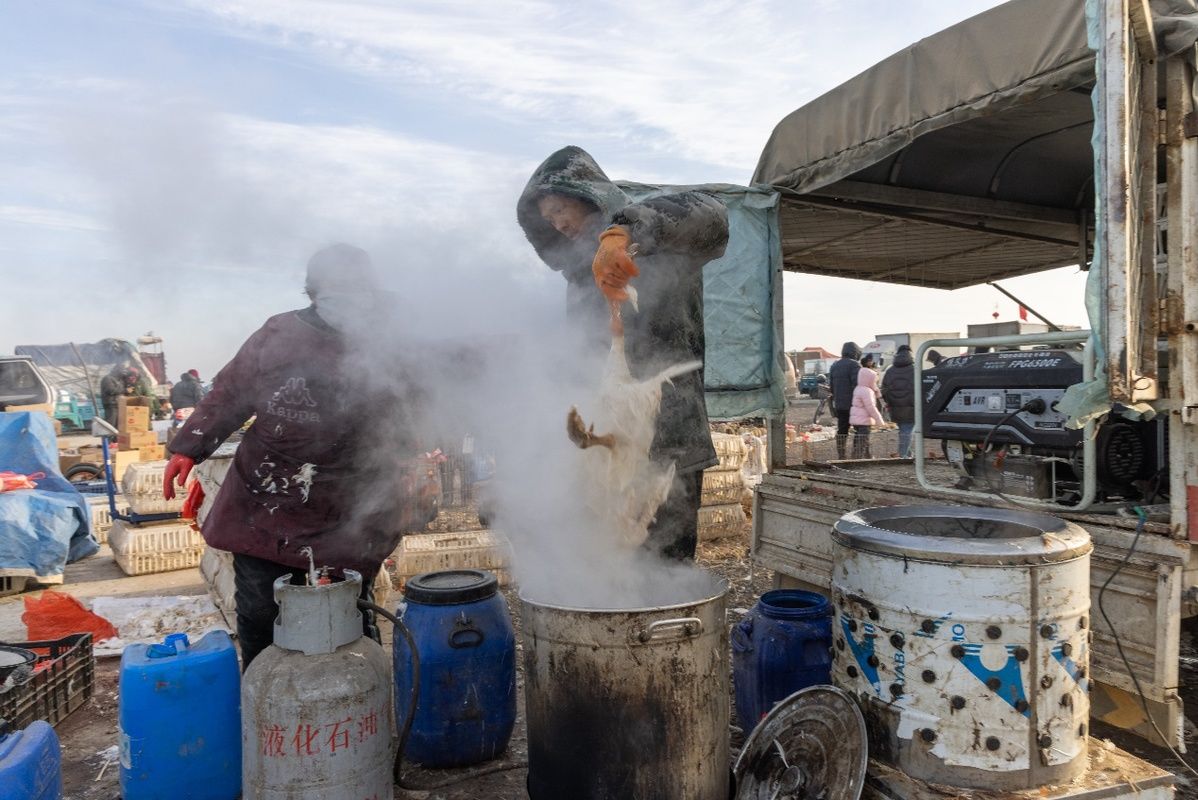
x=850, y=350
x=570, y=171
x=903, y=359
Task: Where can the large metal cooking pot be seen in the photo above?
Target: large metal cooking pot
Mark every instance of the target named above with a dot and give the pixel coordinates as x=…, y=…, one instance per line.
x=627, y=703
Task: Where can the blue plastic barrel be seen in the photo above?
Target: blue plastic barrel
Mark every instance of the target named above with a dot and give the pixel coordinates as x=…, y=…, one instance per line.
x=30, y=764
x=782, y=645
x=463, y=634
x=180, y=719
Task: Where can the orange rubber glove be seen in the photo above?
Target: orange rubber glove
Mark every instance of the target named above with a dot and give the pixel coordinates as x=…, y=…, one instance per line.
x=195, y=499
x=178, y=467
x=613, y=266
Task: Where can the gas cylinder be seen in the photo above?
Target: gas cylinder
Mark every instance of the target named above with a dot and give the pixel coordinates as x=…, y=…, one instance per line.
x=180, y=722
x=30, y=763
x=316, y=705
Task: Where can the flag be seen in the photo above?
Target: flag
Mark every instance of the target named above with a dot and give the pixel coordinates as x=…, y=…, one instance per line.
x=1023, y=313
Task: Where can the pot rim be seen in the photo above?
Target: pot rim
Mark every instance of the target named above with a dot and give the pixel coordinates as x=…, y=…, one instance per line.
x=1048, y=540
x=721, y=583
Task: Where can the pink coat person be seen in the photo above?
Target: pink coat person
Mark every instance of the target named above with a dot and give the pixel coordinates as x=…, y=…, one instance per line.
x=865, y=400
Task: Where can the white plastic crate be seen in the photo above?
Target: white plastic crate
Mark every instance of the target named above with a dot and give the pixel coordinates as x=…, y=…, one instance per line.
x=211, y=475
x=721, y=487
x=101, y=516
x=216, y=566
x=730, y=449
x=717, y=522
x=144, y=478
x=149, y=504
x=432, y=552
x=169, y=537
x=146, y=563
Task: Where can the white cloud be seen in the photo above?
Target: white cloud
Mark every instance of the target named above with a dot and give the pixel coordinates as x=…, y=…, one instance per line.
x=187, y=207
x=703, y=81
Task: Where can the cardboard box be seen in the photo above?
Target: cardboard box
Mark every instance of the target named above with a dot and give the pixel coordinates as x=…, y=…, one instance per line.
x=135, y=440
x=153, y=452
x=91, y=454
x=134, y=419
x=131, y=401
x=121, y=461
x=68, y=459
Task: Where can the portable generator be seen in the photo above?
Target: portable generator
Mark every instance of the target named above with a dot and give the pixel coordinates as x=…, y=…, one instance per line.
x=998, y=419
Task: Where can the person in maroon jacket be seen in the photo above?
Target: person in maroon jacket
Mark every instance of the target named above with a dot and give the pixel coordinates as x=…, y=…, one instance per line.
x=315, y=469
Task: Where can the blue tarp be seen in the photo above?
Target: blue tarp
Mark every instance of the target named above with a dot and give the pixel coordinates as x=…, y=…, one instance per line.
x=42, y=529
x=743, y=371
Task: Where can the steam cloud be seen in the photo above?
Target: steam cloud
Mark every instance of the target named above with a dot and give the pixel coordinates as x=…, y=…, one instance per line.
x=490, y=355
x=469, y=338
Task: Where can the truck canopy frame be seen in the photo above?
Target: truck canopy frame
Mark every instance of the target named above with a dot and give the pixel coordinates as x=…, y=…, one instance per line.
x=961, y=159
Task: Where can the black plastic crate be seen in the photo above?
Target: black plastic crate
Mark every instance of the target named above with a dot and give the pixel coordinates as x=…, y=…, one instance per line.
x=64, y=679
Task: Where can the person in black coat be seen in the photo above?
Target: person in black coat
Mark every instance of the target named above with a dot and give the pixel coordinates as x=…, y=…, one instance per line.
x=582, y=224
x=898, y=392
x=842, y=380
x=124, y=380
x=187, y=392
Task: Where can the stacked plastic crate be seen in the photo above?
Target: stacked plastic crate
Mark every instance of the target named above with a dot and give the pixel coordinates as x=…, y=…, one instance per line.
x=158, y=546
x=431, y=552
x=720, y=512
x=216, y=566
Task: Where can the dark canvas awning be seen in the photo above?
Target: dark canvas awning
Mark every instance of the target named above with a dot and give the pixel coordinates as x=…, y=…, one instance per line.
x=963, y=158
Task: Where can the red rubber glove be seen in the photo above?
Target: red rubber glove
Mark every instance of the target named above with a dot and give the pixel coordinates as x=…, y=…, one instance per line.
x=178, y=467
x=612, y=266
x=195, y=499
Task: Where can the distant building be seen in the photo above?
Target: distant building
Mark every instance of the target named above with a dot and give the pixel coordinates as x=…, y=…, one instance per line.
x=801, y=357
x=1013, y=328
x=914, y=340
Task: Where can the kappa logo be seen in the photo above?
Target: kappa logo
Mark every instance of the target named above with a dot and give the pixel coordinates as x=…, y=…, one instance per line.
x=291, y=394
x=295, y=393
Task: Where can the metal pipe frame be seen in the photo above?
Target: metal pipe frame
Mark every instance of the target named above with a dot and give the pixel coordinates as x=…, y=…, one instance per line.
x=1089, y=467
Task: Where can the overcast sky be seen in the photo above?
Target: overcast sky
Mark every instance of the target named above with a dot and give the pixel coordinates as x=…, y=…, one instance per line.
x=168, y=166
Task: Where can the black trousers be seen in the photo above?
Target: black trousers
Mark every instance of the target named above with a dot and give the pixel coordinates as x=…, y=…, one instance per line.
x=674, y=533
x=253, y=583
x=861, y=442
x=842, y=432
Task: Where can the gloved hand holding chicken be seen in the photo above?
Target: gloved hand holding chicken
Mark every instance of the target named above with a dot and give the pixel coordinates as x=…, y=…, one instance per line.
x=613, y=266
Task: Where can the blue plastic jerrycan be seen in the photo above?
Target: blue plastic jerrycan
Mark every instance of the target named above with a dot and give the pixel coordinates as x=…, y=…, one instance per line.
x=30, y=764
x=180, y=719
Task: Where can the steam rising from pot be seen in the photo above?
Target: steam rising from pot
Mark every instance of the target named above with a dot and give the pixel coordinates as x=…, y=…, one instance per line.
x=470, y=348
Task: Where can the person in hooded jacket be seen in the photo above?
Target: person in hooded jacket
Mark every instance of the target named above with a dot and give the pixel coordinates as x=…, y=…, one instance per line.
x=842, y=380
x=307, y=472
x=864, y=413
x=123, y=380
x=187, y=393
x=583, y=225
x=898, y=392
